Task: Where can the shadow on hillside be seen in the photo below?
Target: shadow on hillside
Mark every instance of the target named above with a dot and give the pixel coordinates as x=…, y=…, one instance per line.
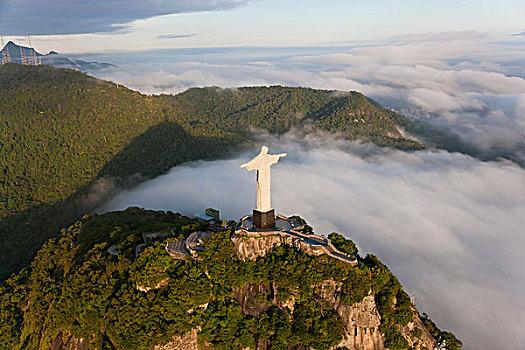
x=150, y=154
x=162, y=147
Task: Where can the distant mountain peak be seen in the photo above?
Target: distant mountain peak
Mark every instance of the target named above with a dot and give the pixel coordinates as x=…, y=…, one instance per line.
x=53, y=58
x=14, y=51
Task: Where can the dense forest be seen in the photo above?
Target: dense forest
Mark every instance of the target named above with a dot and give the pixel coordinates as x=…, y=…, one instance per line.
x=67, y=140
x=77, y=287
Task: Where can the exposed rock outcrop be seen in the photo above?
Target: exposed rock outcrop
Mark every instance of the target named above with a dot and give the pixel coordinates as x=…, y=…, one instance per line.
x=251, y=244
x=361, y=320
x=288, y=303
x=68, y=342
x=161, y=283
x=423, y=340
x=250, y=248
x=187, y=342
x=252, y=298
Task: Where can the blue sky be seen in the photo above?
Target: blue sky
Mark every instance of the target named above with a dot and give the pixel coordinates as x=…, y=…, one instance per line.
x=74, y=27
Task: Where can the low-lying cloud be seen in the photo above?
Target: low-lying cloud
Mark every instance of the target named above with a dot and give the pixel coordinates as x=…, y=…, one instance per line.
x=448, y=225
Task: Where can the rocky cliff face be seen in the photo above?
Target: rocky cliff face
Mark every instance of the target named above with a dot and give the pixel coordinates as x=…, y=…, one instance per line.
x=187, y=342
x=254, y=247
x=253, y=298
x=65, y=341
x=361, y=320
x=424, y=341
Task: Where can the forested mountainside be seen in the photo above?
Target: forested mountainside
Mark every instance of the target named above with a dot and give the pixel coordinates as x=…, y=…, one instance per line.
x=77, y=292
x=67, y=138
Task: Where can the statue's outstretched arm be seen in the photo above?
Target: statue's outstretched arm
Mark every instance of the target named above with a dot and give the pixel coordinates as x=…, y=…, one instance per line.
x=249, y=165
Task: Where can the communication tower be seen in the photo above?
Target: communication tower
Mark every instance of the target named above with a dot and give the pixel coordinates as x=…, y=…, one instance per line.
x=32, y=53
x=6, y=57
x=23, y=59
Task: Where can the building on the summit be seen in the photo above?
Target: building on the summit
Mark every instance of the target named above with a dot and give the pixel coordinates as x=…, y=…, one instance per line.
x=210, y=215
x=214, y=213
x=195, y=241
x=190, y=246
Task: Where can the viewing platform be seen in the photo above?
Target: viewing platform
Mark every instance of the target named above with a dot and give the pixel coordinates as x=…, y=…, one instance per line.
x=290, y=230
x=190, y=246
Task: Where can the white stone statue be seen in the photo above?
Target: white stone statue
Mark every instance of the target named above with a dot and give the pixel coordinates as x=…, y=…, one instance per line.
x=262, y=163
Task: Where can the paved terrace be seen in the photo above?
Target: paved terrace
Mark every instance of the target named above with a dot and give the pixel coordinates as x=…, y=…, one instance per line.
x=289, y=228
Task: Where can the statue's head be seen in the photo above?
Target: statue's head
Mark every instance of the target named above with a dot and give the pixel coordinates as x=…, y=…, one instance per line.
x=264, y=150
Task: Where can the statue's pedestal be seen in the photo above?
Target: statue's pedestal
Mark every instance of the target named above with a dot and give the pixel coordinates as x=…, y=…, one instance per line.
x=264, y=220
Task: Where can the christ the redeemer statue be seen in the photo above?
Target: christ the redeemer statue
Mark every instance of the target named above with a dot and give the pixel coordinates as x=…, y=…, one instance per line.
x=263, y=215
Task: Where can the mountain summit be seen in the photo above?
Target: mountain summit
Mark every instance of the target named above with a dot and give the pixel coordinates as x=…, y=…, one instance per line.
x=15, y=51
x=51, y=59
x=141, y=279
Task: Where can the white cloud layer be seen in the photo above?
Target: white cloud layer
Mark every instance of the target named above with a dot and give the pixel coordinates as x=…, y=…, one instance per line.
x=448, y=225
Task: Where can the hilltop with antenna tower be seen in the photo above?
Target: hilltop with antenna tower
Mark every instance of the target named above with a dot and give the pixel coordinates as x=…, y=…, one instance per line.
x=27, y=55
x=12, y=53
x=6, y=57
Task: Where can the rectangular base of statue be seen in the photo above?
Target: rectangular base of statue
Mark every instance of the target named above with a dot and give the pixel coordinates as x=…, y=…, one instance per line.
x=264, y=220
